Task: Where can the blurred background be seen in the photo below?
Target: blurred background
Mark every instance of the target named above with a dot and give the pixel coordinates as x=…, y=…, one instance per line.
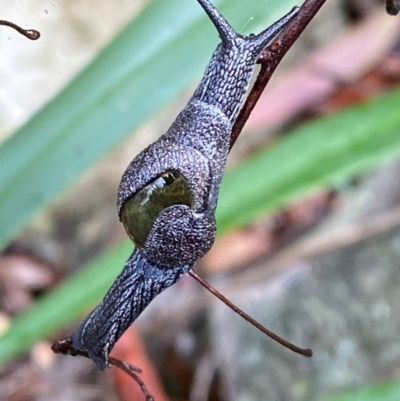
x=308, y=216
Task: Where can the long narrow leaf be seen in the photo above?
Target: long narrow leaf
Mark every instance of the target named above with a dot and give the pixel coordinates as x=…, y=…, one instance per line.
x=379, y=392
x=327, y=151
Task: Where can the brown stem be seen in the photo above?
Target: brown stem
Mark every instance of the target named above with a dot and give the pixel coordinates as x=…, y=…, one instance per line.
x=306, y=352
x=65, y=347
x=271, y=57
x=29, y=33
x=130, y=370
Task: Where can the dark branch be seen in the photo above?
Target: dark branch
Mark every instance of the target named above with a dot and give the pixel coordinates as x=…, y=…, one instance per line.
x=271, y=57
x=31, y=34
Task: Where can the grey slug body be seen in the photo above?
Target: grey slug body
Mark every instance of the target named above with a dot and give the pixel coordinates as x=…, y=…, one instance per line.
x=194, y=149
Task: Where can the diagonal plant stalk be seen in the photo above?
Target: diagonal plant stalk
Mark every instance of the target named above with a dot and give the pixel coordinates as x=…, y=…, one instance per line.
x=271, y=57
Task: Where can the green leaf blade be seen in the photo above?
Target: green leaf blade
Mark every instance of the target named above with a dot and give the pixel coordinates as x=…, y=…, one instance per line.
x=315, y=155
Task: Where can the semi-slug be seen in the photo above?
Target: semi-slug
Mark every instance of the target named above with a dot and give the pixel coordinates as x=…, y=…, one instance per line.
x=168, y=194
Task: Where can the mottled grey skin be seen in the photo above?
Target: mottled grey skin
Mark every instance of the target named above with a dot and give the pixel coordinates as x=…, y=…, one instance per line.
x=196, y=145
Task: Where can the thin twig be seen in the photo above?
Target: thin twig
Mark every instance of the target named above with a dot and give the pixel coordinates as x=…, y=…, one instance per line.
x=65, y=347
x=130, y=370
x=306, y=352
x=271, y=57
x=31, y=34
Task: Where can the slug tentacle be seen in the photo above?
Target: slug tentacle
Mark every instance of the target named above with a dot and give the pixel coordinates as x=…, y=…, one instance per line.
x=226, y=32
x=228, y=74
x=262, y=39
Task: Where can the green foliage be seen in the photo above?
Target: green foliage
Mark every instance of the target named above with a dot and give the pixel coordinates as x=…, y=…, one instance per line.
x=381, y=392
x=126, y=84
x=327, y=151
